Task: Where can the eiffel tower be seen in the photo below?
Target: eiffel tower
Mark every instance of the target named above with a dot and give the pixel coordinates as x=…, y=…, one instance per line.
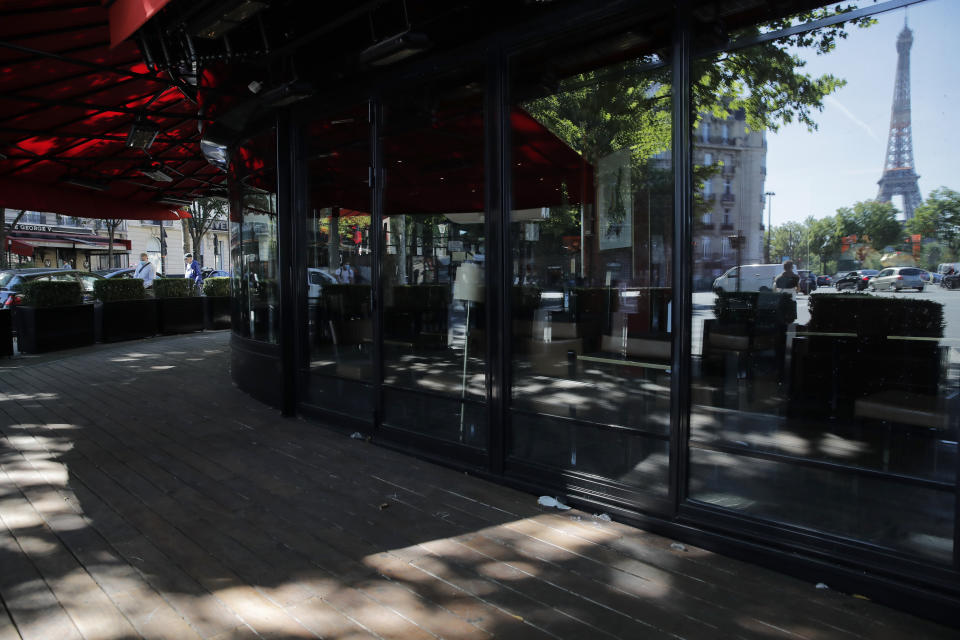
x=899, y=176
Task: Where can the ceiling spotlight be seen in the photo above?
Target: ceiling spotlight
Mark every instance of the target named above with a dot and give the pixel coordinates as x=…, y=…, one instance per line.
x=95, y=185
x=155, y=172
x=216, y=23
x=142, y=134
x=395, y=48
x=177, y=202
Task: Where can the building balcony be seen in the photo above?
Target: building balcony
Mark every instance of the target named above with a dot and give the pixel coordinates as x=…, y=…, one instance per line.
x=727, y=198
x=726, y=227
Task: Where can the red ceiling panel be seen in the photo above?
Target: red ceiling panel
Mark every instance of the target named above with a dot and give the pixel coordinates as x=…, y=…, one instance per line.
x=68, y=101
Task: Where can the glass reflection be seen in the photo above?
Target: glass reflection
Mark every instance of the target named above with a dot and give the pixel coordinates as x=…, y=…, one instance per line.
x=433, y=269
x=339, y=259
x=253, y=239
x=592, y=285
x=826, y=368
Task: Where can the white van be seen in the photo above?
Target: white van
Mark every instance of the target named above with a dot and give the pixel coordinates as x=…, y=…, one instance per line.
x=748, y=277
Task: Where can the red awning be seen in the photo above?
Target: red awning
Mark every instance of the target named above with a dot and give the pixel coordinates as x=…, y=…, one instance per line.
x=68, y=101
x=21, y=248
x=72, y=202
x=126, y=16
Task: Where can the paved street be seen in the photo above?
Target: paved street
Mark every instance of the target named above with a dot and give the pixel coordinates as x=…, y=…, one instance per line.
x=141, y=495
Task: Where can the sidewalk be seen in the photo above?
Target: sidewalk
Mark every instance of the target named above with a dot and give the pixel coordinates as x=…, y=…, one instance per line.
x=142, y=495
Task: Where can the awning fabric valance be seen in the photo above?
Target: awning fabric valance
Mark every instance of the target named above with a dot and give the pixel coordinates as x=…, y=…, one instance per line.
x=17, y=194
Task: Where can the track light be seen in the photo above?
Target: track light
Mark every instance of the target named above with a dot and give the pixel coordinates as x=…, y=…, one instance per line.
x=177, y=202
x=155, y=172
x=142, y=134
x=395, y=48
x=218, y=22
x=95, y=185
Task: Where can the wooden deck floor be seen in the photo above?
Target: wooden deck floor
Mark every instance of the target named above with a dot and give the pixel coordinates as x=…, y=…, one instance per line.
x=141, y=495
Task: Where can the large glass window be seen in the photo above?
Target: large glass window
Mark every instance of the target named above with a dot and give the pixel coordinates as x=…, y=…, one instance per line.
x=591, y=244
x=339, y=258
x=434, y=294
x=826, y=368
x=253, y=239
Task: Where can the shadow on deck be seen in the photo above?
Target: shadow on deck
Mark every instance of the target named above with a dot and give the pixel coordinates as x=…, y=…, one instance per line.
x=142, y=495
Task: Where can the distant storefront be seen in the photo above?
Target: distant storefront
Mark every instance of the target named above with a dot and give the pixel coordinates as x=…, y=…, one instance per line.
x=54, y=245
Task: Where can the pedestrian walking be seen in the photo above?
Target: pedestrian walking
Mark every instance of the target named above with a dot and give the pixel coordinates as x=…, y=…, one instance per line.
x=192, y=270
x=145, y=271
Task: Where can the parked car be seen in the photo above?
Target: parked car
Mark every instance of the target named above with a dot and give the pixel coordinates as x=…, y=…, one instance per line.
x=317, y=279
x=126, y=272
x=748, y=277
x=897, y=279
x=12, y=280
x=210, y=272
x=857, y=280
x=824, y=281
x=808, y=281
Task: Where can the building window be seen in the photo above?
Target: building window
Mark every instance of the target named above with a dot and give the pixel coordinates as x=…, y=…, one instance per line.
x=727, y=219
x=705, y=130
x=708, y=218
x=708, y=187
x=707, y=159
x=727, y=185
x=726, y=133
x=706, y=247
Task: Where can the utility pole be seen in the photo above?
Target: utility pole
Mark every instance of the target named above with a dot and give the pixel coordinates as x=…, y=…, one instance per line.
x=769, y=194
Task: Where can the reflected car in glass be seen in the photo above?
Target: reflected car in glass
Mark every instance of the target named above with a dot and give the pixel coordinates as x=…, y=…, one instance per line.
x=317, y=279
x=824, y=281
x=808, y=281
x=856, y=280
x=897, y=279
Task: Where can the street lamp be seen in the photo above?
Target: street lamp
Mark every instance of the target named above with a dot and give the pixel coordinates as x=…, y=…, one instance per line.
x=770, y=195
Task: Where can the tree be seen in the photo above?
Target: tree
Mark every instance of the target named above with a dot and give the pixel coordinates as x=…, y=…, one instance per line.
x=939, y=218
x=788, y=239
x=204, y=212
x=111, y=226
x=4, y=229
x=876, y=221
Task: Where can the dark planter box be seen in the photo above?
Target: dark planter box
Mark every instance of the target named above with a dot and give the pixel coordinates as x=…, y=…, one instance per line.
x=6, y=333
x=41, y=329
x=126, y=320
x=216, y=312
x=180, y=315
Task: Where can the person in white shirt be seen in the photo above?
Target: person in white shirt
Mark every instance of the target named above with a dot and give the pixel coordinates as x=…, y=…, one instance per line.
x=345, y=273
x=145, y=271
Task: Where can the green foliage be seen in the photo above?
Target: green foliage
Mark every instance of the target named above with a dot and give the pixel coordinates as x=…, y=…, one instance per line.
x=174, y=288
x=766, y=80
x=870, y=315
x=939, y=217
x=110, y=289
x=789, y=239
x=875, y=220
x=216, y=287
x=51, y=293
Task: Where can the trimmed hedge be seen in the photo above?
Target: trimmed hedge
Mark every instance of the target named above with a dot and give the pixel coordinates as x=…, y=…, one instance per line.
x=216, y=287
x=174, y=288
x=51, y=293
x=869, y=315
x=346, y=300
x=111, y=289
x=764, y=307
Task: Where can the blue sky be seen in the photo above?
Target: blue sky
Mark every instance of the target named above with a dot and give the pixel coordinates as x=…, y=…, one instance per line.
x=815, y=173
